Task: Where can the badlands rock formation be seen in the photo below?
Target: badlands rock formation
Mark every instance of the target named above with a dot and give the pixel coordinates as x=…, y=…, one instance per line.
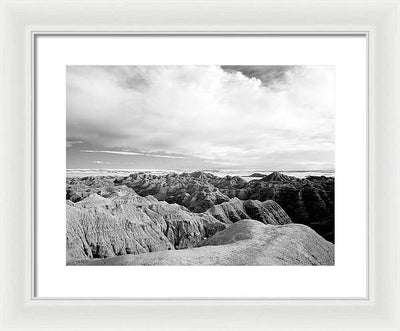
x=246, y=242
x=194, y=191
x=308, y=201
x=267, y=212
x=127, y=223
x=111, y=216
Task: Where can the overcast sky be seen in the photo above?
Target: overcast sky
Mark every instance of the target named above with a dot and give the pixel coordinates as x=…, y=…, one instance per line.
x=201, y=117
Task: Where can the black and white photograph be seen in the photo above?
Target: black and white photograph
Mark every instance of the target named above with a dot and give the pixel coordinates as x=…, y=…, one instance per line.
x=200, y=165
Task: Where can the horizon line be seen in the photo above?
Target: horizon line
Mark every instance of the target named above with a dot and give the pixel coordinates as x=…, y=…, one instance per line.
x=216, y=169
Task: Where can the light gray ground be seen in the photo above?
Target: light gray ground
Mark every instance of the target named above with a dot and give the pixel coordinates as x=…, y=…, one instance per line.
x=246, y=242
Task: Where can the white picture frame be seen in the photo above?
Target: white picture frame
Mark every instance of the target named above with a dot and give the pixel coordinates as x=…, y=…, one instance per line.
x=23, y=21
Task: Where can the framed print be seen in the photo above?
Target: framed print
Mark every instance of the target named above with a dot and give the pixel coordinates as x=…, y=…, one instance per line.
x=167, y=193
x=237, y=170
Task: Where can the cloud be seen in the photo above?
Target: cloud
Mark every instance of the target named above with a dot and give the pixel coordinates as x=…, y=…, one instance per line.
x=70, y=143
x=273, y=77
x=136, y=154
x=245, y=117
x=100, y=162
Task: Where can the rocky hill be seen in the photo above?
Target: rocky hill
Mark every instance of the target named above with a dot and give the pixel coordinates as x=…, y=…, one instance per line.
x=122, y=222
x=267, y=212
x=308, y=201
x=142, y=213
x=246, y=242
x=126, y=223
x=194, y=191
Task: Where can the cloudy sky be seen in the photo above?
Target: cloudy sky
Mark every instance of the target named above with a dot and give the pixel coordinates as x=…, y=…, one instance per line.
x=201, y=117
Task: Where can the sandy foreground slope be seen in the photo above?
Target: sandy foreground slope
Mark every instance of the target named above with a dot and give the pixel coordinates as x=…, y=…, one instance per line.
x=246, y=242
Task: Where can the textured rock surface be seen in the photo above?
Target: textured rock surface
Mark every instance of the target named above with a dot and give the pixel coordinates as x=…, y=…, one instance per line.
x=194, y=191
x=267, y=212
x=307, y=201
x=126, y=223
x=246, y=242
x=105, y=217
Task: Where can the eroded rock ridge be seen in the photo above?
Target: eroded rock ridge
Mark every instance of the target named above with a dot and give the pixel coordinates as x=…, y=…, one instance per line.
x=140, y=214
